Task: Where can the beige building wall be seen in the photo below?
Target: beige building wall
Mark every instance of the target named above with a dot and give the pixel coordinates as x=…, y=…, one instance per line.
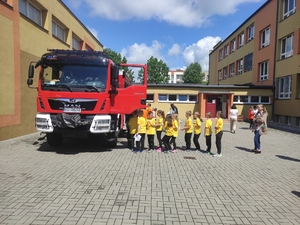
x=287, y=111
x=23, y=41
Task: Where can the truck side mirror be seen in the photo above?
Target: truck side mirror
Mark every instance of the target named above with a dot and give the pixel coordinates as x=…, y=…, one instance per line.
x=31, y=71
x=29, y=81
x=115, y=76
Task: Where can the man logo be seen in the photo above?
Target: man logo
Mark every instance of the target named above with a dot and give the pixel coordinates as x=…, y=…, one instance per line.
x=72, y=100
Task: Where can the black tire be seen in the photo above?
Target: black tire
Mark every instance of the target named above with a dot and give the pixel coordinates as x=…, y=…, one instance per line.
x=112, y=144
x=54, y=139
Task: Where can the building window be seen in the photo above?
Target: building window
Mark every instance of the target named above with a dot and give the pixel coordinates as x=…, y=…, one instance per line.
x=232, y=45
x=241, y=39
x=245, y=99
x=58, y=31
x=283, y=87
x=172, y=98
x=265, y=37
x=263, y=70
x=226, y=50
x=240, y=66
x=220, y=54
x=179, y=78
x=177, y=98
x=220, y=74
x=150, y=97
x=30, y=11
x=231, y=68
x=250, y=32
x=172, y=79
x=76, y=44
x=225, y=72
x=88, y=48
x=248, y=62
x=289, y=7
x=287, y=47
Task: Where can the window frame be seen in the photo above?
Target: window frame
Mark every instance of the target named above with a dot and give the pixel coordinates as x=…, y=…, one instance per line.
x=220, y=74
x=58, y=25
x=241, y=39
x=288, y=12
x=221, y=54
x=231, y=69
x=239, y=101
x=263, y=40
x=233, y=45
x=286, y=54
x=225, y=72
x=188, y=97
x=75, y=39
x=226, y=50
x=250, y=35
x=264, y=67
x=150, y=100
x=29, y=4
x=240, y=66
x=284, y=83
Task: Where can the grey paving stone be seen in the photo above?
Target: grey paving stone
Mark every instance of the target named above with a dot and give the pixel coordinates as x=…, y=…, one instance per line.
x=85, y=183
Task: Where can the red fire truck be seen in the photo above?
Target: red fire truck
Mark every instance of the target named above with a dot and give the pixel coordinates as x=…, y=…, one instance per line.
x=82, y=94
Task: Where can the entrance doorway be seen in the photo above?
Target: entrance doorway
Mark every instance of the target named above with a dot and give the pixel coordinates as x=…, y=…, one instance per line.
x=216, y=103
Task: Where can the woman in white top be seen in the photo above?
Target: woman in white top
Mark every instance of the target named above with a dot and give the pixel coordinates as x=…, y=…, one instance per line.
x=233, y=118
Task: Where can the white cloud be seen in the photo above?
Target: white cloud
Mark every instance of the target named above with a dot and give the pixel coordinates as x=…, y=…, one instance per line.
x=93, y=31
x=179, y=12
x=199, y=52
x=174, y=50
x=140, y=53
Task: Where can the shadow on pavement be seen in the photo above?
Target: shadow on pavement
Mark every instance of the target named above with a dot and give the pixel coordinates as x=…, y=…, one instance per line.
x=243, y=149
x=297, y=193
x=288, y=158
x=74, y=146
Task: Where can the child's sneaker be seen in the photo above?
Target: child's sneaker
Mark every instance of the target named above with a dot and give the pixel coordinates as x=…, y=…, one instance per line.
x=218, y=155
x=209, y=153
x=174, y=150
x=158, y=149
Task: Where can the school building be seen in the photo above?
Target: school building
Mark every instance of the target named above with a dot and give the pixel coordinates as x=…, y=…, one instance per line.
x=264, y=51
x=28, y=28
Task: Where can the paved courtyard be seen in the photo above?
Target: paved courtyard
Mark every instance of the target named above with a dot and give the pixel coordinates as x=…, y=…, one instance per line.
x=86, y=183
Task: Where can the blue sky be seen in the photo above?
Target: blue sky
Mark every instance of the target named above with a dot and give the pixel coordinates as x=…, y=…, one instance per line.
x=179, y=32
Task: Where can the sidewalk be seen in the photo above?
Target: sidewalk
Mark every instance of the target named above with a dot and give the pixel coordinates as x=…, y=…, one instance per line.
x=86, y=183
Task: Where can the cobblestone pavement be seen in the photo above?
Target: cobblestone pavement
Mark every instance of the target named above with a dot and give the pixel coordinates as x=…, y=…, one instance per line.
x=83, y=182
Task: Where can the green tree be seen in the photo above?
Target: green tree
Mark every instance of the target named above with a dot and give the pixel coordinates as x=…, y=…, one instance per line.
x=157, y=71
x=193, y=74
x=117, y=58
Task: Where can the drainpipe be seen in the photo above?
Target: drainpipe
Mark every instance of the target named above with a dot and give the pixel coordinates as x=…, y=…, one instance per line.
x=275, y=59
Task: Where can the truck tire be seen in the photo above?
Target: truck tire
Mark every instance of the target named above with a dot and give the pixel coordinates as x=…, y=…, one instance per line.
x=112, y=144
x=54, y=139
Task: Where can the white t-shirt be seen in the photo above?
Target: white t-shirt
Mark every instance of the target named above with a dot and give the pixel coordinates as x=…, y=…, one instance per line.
x=233, y=113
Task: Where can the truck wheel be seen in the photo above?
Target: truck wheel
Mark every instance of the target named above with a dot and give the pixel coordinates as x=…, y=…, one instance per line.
x=54, y=139
x=112, y=144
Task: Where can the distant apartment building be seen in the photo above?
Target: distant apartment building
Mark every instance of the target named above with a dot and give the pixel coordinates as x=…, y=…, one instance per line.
x=264, y=50
x=28, y=28
x=176, y=76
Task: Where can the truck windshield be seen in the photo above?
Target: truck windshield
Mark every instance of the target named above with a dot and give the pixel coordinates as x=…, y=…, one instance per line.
x=74, y=78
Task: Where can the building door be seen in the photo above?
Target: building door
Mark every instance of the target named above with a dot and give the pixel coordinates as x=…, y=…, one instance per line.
x=211, y=104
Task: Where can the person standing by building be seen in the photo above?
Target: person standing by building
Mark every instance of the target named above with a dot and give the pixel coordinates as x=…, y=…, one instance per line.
x=159, y=127
x=173, y=109
x=141, y=130
x=176, y=124
x=197, y=130
x=233, y=118
x=208, y=133
x=132, y=124
x=169, y=133
x=251, y=116
x=219, y=134
x=150, y=131
x=188, y=128
x=259, y=128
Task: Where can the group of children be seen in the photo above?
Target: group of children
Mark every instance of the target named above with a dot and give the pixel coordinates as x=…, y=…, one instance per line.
x=147, y=123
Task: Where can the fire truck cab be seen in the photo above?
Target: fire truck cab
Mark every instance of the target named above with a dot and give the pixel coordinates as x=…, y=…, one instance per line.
x=81, y=93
